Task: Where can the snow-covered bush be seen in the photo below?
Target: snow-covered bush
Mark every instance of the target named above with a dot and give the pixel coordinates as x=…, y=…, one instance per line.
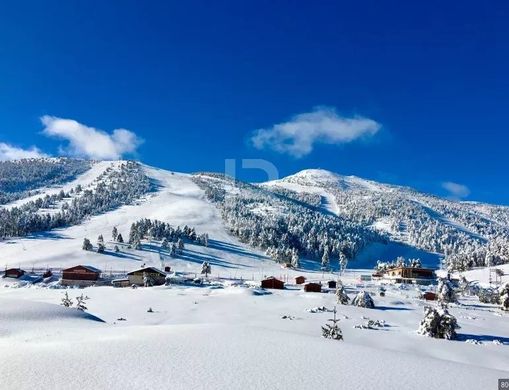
x=438, y=323
x=363, y=299
x=504, y=297
x=445, y=291
x=341, y=295
x=488, y=295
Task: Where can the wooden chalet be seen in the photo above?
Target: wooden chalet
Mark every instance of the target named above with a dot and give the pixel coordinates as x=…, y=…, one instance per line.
x=14, y=273
x=332, y=284
x=313, y=287
x=80, y=275
x=148, y=276
x=410, y=275
x=273, y=283
x=300, y=280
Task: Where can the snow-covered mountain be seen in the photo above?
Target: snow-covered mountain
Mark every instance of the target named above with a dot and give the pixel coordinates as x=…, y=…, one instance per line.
x=175, y=329
x=312, y=217
x=466, y=231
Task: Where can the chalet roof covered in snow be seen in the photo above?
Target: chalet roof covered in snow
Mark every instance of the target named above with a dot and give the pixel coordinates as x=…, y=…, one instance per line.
x=147, y=269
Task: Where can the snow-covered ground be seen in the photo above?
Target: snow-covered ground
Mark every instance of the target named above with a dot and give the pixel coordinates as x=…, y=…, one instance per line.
x=232, y=337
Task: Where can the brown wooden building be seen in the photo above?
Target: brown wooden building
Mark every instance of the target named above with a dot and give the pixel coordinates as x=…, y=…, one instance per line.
x=14, y=273
x=313, y=287
x=80, y=275
x=332, y=284
x=273, y=283
x=300, y=280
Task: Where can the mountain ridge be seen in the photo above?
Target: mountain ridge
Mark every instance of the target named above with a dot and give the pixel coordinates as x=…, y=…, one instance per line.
x=312, y=211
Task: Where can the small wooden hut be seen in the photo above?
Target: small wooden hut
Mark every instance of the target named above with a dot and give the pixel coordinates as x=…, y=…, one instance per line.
x=273, y=283
x=313, y=287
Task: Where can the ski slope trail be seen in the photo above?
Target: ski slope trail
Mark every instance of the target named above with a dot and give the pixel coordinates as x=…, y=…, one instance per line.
x=175, y=200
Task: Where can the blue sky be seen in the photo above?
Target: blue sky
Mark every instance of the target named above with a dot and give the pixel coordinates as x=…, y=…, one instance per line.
x=392, y=91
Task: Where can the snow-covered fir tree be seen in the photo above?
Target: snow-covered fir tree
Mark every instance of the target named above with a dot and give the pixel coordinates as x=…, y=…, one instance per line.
x=438, y=323
x=180, y=245
x=114, y=233
x=206, y=269
x=87, y=245
x=343, y=262
x=504, y=297
x=332, y=331
x=363, y=299
x=445, y=291
x=325, y=258
x=100, y=244
x=295, y=259
x=341, y=295
x=66, y=301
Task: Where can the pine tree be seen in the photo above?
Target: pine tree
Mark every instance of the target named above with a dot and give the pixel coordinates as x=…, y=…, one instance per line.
x=120, y=239
x=504, y=297
x=66, y=301
x=341, y=295
x=173, y=251
x=165, y=244
x=343, y=261
x=205, y=268
x=80, y=303
x=363, y=299
x=100, y=244
x=295, y=258
x=114, y=233
x=438, y=323
x=445, y=291
x=180, y=245
x=325, y=259
x=332, y=331
x=87, y=245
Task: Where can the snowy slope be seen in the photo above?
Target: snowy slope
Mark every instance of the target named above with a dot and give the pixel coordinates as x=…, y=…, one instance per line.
x=177, y=201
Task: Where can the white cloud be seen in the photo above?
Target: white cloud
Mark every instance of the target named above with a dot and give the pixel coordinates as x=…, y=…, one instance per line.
x=298, y=136
x=456, y=191
x=85, y=141
x=9, y=152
